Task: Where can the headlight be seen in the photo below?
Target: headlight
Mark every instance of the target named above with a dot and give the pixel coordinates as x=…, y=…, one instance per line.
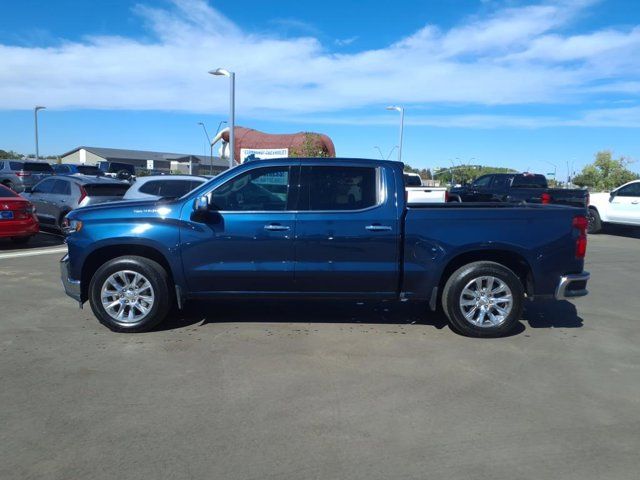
x=71, y=226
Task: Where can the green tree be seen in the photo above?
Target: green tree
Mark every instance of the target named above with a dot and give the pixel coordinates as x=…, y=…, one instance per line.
x=605, y=173
x=9, y=154
x=311, y=147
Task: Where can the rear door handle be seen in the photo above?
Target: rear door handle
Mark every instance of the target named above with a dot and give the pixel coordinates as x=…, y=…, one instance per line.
x=635, y=202
x=378, y=228
x=274, y=227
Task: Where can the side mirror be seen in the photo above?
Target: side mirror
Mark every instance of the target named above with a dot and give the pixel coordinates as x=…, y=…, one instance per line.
x=201, y=204
x=612, y=195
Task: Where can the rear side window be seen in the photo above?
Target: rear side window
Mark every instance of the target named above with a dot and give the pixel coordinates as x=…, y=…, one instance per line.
x=88, y=170
x=62, y=169
x=15, y=165
x=338, y=188
x=105, y=189
x=529, y=181
x=61, y=187
x=38, y=167
x=151, y=188
x=412, y=181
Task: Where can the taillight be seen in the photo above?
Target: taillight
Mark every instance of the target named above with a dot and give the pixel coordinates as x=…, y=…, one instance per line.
x=545, y=198
x=83, y=194
x=22, y=173
x=581, y=223
x=446, y=196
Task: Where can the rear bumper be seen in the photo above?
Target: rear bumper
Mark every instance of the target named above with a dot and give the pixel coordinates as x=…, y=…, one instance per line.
x=573, y=285
x=18, y=228
x=71, y=286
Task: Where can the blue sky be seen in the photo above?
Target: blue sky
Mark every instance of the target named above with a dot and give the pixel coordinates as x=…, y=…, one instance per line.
x=506, y=83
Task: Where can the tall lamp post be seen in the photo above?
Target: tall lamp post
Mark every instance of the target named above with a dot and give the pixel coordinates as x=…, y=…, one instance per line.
x=36, y=109
x=232, y=109
x=401, y=110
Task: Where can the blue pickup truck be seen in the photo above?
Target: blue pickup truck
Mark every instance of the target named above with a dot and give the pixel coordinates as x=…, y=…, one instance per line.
x=321, y=229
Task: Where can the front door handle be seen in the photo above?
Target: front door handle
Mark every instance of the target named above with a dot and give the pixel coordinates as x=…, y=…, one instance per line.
x=635, y=202
x=274, y=227
x=378, y=228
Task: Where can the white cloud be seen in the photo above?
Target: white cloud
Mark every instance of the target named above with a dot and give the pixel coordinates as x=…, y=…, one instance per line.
x=514, y=56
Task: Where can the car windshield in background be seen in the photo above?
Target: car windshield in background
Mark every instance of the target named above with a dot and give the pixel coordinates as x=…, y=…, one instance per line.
x=529, y=181
x=88, y=170
x=106, y=189
x=37, y=167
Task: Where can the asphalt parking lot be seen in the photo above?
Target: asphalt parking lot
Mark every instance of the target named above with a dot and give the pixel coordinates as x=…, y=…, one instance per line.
x=320, y=391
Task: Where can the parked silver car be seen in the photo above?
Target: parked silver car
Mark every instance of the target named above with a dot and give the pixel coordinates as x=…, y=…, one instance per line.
x=19, y=175
x=56, y=196
x=155, y=187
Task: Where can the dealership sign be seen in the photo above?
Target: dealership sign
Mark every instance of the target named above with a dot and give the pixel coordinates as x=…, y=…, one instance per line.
x=248, y=154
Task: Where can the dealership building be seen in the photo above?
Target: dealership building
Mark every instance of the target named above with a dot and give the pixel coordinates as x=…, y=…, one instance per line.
x=146, y=160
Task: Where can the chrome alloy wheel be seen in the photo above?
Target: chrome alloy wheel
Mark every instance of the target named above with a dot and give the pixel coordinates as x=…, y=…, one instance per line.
x=127, y=296
x=486, y=301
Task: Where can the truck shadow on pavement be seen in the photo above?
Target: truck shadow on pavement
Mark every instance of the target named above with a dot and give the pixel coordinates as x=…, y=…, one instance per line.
x=621, y=231
x=541, y=314
x=41, y=240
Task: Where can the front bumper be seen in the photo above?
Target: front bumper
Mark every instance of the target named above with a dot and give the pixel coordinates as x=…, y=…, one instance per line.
x=572, y=285
x=71, y=287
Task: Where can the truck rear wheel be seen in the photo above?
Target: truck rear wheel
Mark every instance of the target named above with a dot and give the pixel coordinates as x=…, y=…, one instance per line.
x=483, y=299
x=130, y=294
x=595, y=223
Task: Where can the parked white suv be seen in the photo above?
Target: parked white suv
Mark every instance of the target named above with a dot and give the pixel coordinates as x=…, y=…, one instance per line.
x=163, y=186
x=621, y=206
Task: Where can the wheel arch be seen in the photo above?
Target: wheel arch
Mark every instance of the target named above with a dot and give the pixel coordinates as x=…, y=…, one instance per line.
x=101, y=255
x=510, y=259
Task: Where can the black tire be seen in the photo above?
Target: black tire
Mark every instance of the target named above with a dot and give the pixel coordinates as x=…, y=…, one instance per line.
x=157, y=277
x=20, y=240
x=595, y=223
x=452, y=294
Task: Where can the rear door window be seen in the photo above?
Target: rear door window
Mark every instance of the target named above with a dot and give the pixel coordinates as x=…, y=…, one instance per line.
x=175, y=188
x=16, y=165
x=529, y=181
x=483, y=181
x=500, y=182
x=61, y=187
x=38, y=167
x=338, y=188
x=151, y=188
x=45, y=186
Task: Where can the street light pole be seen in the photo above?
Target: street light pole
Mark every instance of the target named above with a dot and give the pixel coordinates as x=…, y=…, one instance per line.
x=401, y=110
x=380, y=151
x=35, y=114
x=232, y=110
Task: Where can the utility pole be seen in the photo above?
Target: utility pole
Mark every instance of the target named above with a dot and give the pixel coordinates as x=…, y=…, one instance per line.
x=36, y=109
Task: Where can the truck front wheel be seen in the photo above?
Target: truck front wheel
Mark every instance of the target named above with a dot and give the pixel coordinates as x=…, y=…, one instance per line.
x=130, y=294
x=483, y=299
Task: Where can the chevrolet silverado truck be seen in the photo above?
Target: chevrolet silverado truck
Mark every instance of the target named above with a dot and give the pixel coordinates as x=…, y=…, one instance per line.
x=321, y=229
x=621, y=206
x=519, y=187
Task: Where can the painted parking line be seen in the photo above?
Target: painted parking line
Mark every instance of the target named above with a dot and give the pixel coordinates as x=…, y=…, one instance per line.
x=34, y=252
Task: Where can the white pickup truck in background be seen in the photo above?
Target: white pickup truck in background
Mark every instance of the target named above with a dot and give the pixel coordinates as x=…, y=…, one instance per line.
x=621, y=206
x=417, y=193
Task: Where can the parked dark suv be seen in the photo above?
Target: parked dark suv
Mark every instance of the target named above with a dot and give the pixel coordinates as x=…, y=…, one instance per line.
x=19, y=175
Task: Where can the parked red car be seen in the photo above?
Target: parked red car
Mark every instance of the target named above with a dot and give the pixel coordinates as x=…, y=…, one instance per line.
x=18, y=219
